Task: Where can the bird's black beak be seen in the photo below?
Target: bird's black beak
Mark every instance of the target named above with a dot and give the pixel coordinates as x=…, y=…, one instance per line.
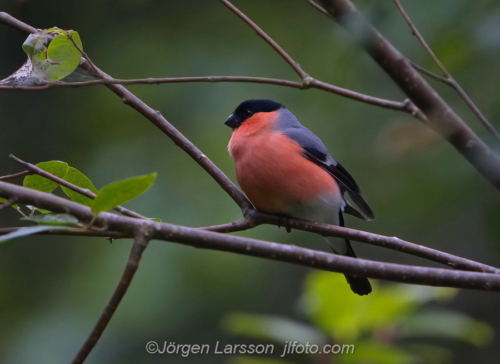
x=233, y=121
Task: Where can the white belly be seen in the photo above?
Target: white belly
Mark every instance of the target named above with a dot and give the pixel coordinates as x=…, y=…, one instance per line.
x=324, y=209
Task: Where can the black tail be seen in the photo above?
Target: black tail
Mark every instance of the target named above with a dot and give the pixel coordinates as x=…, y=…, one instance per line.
x=359, y=285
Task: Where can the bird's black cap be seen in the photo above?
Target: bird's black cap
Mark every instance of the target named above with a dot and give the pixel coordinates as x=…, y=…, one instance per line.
x=248, y=108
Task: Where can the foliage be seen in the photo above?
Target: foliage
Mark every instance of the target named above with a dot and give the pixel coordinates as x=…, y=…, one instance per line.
x=52, y=53
x=119, y=192
x=421, y=191
x=386, y=327
x=108, y=197
x=27, y=231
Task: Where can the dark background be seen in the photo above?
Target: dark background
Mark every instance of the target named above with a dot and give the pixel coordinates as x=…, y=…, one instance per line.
x=52, y=289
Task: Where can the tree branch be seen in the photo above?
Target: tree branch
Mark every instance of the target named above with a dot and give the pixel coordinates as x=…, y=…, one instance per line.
x=246, y=224
x=392, y=243
x=430, y=74
x=140, y=243
x=404, y=106
x=215, y=241
x=441, y=117
x=298, y=70
x=308, y=81
x=159, y=121
x=318, y=7
x=450, y=80
x=13, y=176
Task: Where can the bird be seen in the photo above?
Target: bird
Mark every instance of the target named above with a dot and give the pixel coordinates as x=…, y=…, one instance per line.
x=285, y=169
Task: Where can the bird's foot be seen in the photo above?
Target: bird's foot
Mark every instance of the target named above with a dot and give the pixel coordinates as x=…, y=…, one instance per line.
x=283, y=221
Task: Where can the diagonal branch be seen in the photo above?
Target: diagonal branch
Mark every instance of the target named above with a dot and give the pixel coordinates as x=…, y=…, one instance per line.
x=215, y=241
x=82, y=191
x=430, y=74
x=308, y=81
x=387, y=242
x=404, y=106
x=448, y=77
x=257, y=218
x=159, y=121
x=13, y=176
x=140, y=243
x=441, y=118
x=319, y=8
x=302, y=74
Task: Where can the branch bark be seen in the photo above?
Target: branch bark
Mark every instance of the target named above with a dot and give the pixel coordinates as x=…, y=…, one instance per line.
x=15, y=175
x=140, y=243
x=159, y=121
x=216, y=241
x=448, y=77
x=404, y=106
x=441, y=118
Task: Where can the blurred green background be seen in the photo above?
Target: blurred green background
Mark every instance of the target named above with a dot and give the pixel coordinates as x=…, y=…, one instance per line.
x=52, y=289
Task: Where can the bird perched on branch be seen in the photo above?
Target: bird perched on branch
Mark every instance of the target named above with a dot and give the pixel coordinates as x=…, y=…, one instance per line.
x=285, y=169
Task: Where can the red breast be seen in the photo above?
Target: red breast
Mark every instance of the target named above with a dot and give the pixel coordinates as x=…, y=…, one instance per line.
x=270, y=167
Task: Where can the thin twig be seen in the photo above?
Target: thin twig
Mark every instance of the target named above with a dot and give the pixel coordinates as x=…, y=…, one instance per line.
x=451, y=81
x=13, y=176
x=246, y=224
x=159, y=121
x=320, y=8
x=140, y=243
x=430, y=74
x=384, y=103
x=82, y=191
x=96, y=70
x=302, y=74
x=155, y=81
x=440, y=116
x=308, y=81
x=392, y=243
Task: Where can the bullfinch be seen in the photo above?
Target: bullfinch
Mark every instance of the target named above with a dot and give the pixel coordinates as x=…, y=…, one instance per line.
x=285, y=169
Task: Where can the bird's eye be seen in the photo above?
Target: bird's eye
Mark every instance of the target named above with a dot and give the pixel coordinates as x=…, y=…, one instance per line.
x=248, y=113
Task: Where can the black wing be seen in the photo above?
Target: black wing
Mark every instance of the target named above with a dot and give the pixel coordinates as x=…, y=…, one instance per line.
x=345, y=180
x=316, y=152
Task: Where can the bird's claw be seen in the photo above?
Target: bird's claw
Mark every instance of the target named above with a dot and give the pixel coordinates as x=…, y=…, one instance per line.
x=283, y=221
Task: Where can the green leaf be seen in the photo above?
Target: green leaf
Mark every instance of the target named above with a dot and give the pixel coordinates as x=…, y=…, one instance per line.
x=63, y=56
x=74, y=34
x=348, y=318
x=28, y=231
x=52, y=53
x=54, y=219
x=448, y=324
x=43, y=184
x=120, y=192
x=271, y=328
x=74, y=176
